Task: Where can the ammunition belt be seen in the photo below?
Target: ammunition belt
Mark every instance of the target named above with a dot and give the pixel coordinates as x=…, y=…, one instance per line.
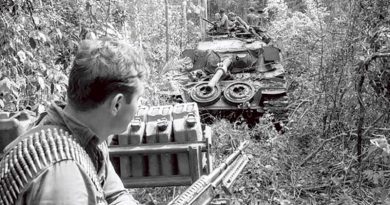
x=36, y=152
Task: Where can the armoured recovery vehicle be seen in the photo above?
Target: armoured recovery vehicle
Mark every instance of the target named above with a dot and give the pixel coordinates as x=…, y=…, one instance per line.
x=236, y=75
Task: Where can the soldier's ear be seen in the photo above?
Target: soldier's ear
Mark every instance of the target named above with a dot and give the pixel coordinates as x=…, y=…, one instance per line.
x=116, y=103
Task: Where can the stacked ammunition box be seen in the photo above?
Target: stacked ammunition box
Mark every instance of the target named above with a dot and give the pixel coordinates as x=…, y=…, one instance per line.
x=163, y=146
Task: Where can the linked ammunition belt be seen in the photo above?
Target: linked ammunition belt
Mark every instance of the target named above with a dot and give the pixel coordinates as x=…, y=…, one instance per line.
x=34, y=154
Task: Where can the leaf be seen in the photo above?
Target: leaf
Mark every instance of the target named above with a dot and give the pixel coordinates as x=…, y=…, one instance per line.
x=29, y=54
x=36, y=20
x=40, y=109
x=59, y=34
x=8, y=86
x=110, y=30
x=41, y=82
x=42, y=36
x=21, y=82
x=90, y=35
x=269, y=167
x=382, y=144
x=42, y=66
x=1, y=103
x=22, y=56
x=32, y=42
x=61, y=78
x=58, y=88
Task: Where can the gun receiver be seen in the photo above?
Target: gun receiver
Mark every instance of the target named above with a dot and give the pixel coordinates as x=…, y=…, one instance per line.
x=202, y=191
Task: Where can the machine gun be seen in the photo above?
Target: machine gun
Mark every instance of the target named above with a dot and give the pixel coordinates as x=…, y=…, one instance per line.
x=214, y=24
x=202, y=191
x=214, y=29
x=258, y=33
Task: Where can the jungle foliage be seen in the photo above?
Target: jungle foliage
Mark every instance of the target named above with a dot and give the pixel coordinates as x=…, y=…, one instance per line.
x=334, y=149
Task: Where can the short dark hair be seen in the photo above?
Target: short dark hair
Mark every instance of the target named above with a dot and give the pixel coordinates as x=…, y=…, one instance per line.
x=103, y=68
x=232, y=14
x=221, y=11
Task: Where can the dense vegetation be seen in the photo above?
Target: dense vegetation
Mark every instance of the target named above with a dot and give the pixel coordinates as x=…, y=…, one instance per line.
x=335, y=52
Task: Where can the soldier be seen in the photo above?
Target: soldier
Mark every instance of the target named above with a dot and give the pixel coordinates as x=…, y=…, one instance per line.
x=207, y=61
x=262, y=18
x=64, y=160
x=217, y=19
x=252, y=18
x=234, y=24
x=223, y=23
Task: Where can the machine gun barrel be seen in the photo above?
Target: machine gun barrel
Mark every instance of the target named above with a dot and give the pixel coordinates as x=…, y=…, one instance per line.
x=214, y=24
x=202, y=191
x=248, y=28
x=243, y=23
x=215, y=173
x=222, y=69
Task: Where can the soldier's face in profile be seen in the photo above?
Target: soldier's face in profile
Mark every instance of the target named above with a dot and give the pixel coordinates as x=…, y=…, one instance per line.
x=128, y=110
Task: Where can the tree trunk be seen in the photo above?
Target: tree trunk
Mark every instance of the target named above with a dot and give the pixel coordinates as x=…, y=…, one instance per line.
x=203, y=14
x=132, y=21
x=166, y=31
x=361, y=115
x=185, y=29
x=137, y=22
x=108, y=11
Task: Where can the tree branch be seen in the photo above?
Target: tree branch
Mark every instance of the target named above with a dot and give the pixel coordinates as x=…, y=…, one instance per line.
x=362, y=69
x=372, y=124
x=374, y=56
x=311, y=155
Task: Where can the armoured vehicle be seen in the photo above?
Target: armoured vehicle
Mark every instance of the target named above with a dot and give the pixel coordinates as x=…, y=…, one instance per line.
x=236, y=75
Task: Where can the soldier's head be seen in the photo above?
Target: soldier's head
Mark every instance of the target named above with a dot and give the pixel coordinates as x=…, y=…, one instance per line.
x=232, y=16
x=221, y=11
x=107, y=75
x=251, y=9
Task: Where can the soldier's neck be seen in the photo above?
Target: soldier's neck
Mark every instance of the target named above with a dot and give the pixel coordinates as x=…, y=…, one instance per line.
x=90, y=119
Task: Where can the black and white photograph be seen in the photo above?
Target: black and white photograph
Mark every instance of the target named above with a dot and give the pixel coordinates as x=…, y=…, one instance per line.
x=194, y=102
